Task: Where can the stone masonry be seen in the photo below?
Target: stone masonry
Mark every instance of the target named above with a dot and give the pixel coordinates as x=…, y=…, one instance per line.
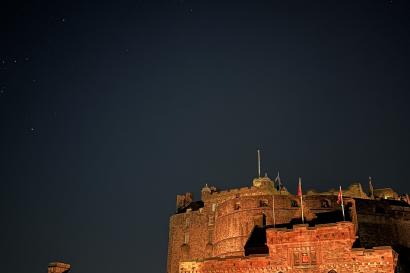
x=210, y=235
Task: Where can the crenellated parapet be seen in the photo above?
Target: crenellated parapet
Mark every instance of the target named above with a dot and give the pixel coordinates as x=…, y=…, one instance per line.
x=355, y=190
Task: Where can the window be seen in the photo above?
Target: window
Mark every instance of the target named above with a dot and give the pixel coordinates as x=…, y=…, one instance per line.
x=186, y=238
x=213, y=207
x=237, y=206
x=324, y=203
x=294, y=204
x=332, y=271
x=304, y=257
x=296, y=259
x=211, y=220
x=313, y=257
x=263, y=203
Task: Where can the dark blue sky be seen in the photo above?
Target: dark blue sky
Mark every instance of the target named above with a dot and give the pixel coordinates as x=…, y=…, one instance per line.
x=108, y=110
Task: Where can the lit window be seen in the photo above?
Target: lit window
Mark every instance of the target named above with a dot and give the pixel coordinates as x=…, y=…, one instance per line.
x=210, y=220
x=213, y=207
x=263, y=203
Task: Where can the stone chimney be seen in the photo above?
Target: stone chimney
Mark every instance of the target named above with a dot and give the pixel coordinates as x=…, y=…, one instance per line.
x=57, y=267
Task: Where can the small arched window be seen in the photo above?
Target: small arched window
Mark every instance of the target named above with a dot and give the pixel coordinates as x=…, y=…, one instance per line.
x=263, y=203
x=332, y=271
x=213, y=207
x=324, y=203
x=294, y=204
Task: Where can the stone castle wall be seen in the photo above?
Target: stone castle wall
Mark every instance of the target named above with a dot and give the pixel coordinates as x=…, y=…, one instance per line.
x=302, y=249
x=384, y=218
x=221, y=228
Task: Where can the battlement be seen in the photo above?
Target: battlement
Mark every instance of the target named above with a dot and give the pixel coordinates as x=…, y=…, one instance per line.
x=259, y=186
x=386, y=207
x=231, y=193
x=343, y=231
x=355, y=190
x=370, y=251
x=371, y=257
x=302, y=227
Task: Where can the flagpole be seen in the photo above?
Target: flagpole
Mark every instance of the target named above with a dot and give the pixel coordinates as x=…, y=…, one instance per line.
x=301, y=203
x=273, y=209
x=301, y=198
x=259, y=163
x=341, y=201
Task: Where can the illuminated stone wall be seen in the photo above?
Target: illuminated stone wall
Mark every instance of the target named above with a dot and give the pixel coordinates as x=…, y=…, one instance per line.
x=222, y=227
x=320, y=249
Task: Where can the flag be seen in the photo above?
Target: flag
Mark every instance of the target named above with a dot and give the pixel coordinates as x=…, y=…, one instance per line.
x=340, y=196
x=340, y=202
x=300, y=187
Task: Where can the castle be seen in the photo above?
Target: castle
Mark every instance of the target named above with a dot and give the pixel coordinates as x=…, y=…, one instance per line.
x=261, y=229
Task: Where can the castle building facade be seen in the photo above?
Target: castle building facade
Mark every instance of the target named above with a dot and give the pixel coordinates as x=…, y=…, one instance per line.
x=261, y=229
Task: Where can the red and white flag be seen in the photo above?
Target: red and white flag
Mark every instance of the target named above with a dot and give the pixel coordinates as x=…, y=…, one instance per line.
x=340, y=202
x=300, y=187
x=340, y=196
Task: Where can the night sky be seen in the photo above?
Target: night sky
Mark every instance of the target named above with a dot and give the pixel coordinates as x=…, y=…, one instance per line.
x=110, y=109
